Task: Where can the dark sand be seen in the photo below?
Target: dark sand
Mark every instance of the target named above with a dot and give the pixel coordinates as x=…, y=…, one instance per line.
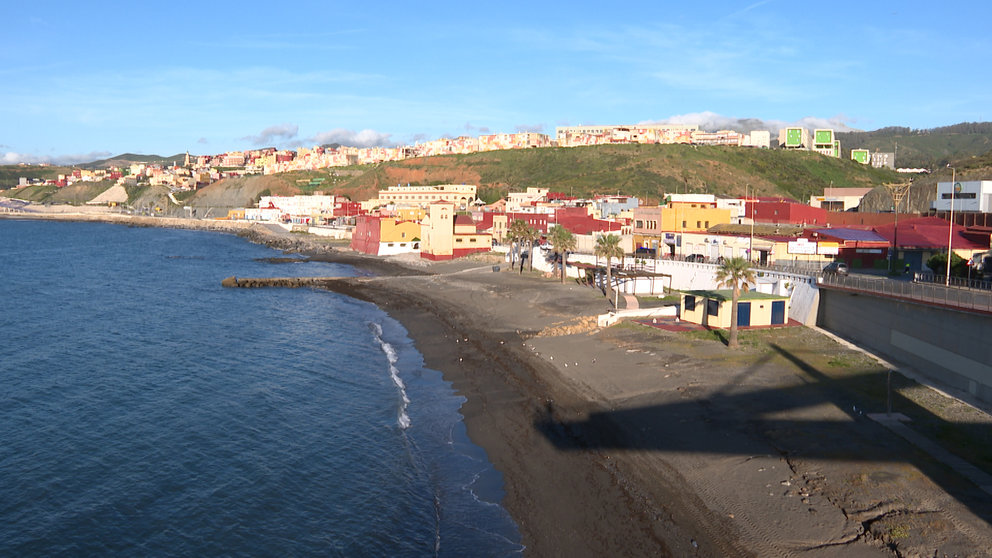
x=631, y=441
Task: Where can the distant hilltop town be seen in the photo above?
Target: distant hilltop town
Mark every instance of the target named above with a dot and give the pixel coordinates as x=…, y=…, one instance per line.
x=198, y=171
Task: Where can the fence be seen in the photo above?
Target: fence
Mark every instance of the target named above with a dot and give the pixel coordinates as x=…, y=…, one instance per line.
x=933, y=293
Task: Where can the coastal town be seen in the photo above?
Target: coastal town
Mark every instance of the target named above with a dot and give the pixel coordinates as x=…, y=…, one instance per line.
x=560, y=394
x=198, y=171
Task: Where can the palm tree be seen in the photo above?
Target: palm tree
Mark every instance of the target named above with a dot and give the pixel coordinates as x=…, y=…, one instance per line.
x=519, y=232
x=735, y=273
x=564, y=242
x=608, y=246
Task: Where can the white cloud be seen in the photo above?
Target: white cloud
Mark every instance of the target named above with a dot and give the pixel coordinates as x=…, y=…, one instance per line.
x=11, y=158
x=282, y=132
x=476, y=129
x=364, y=138
x=711, y=121
x=536, y=128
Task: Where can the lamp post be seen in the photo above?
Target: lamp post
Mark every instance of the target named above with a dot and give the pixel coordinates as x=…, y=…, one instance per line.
x=950, y=231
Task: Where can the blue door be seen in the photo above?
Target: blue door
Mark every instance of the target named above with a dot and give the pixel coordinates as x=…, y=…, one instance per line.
x=743, y=314
x=778, y=312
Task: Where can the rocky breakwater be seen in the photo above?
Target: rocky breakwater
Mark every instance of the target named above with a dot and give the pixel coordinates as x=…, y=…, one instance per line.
x=284, y=282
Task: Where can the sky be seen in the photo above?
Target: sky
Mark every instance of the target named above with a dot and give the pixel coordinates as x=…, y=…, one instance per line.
x=81, y=81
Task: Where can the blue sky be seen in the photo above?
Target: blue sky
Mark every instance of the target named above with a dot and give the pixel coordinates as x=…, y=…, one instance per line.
x=83, y=80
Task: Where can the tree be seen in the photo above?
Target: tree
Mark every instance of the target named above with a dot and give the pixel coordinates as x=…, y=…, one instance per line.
x=735, y=273
x=608, y=246
x=938, y=263
x=564, y=242
x=519, y=233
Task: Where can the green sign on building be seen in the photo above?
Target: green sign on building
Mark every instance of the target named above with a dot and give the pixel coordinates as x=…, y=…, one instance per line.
x=823, y=137
x=862, y=156
x=793, y=137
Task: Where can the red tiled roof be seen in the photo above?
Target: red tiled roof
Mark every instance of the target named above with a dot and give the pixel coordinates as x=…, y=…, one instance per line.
x=928, y=232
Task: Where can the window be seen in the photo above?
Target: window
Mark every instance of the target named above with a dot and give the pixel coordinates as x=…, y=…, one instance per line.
x=690, y=303
x=707, y=224
x=683, y=224
x=699, y=224
x=712, y=307
x=639, y=224
x=458, y=240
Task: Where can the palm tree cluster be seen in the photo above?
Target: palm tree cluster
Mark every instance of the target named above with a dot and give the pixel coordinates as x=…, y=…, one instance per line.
x=523, y=235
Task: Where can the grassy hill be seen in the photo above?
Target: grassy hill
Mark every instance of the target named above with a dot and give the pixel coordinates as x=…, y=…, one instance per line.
x=10, y=174
x=646, y=171
x=930, y=149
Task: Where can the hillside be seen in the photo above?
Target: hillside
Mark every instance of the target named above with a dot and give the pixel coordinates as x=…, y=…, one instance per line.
x=10, y=174
x=924, y=187
x=646, y=171
x=126, y=159
x=929, y=149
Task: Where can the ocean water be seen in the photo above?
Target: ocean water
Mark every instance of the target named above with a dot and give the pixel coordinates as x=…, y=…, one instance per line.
x=147, y=411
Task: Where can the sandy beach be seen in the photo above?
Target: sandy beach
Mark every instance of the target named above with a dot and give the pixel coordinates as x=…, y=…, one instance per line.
x=636, y=441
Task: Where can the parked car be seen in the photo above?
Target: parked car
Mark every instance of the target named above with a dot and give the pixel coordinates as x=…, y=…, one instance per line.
x=695, y=258
x=835, y=268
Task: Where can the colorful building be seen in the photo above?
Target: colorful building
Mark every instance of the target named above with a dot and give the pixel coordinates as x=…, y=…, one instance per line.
x=447, y=235
x=385, y=236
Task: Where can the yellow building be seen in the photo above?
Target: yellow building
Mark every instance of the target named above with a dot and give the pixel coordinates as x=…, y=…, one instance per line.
x=447, y=235
x=713, y=308
x=459, y=194
x=660, y=228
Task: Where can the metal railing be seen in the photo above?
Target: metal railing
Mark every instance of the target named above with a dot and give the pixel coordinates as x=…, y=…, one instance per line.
x=931, y=293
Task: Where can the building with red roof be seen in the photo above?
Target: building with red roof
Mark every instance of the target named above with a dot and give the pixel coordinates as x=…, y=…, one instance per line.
x=917, y=240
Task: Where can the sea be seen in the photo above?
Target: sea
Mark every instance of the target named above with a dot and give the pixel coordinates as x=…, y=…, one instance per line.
x=147, y=411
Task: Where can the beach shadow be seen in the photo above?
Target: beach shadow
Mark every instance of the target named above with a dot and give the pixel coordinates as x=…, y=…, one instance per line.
x=822, y=418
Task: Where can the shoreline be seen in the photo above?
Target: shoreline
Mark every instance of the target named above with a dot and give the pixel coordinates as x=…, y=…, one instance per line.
x=630, y=442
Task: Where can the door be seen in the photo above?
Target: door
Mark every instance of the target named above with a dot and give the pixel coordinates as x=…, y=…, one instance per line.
x=743, y=314
x=778, y=312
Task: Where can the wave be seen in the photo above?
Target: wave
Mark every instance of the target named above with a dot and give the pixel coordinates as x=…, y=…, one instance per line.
x=402, y=419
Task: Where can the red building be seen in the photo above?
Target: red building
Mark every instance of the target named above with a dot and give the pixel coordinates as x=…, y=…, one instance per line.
x=786, y=212
x=365, y=236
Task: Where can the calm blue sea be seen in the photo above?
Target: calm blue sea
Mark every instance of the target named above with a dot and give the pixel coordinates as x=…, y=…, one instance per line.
x=147, y=411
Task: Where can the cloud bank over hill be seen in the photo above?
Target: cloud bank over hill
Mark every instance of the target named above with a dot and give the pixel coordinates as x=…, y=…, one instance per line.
x=351, y=138
x=711, y=122
x=274, y=134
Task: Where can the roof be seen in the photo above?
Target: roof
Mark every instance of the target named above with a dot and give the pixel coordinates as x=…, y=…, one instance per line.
x=928, y=233
x=727, y=294
x=852, y=235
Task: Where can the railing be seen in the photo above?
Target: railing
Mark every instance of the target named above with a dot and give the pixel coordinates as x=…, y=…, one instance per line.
x=932, y=293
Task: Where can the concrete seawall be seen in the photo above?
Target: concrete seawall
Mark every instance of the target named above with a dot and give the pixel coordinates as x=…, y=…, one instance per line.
x=947, y=346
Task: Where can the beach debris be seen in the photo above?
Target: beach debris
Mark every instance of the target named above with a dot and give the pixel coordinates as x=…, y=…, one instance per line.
x=694, y=543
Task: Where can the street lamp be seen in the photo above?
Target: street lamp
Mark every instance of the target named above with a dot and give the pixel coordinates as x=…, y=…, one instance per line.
x=950, y=231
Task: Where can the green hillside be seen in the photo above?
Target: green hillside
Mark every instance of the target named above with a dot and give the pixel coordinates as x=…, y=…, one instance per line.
x=646, y=171
x=929, y=149
x=127, y=159
x=10, y=174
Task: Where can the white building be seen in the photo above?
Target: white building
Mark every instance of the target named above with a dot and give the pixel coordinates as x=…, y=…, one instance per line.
x=839, y=199
x=973, y=196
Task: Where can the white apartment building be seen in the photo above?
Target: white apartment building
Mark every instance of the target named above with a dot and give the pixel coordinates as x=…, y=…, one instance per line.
x=459, y=194
x=973, y=196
